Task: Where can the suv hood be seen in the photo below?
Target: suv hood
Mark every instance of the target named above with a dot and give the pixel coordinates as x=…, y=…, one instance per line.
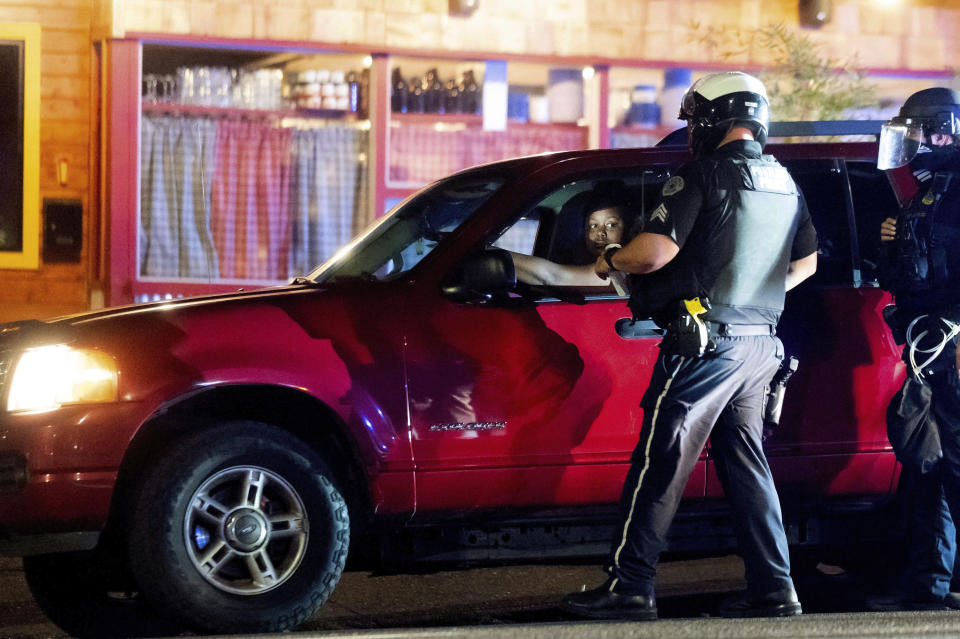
x=25, y=332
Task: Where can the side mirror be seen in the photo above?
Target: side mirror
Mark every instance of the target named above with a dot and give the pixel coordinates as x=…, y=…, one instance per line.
x=482, y=277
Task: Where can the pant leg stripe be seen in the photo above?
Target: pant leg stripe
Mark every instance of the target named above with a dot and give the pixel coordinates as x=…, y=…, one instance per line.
x=646, y=465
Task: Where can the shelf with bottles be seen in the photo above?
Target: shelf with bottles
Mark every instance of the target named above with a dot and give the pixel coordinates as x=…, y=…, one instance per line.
x=437, y=123
x=201, y=81
x=435, y=87
x=537, y=93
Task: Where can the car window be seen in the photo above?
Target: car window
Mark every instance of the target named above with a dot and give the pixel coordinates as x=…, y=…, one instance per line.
x=554, y=228
x=823, y=185
x=408, y=234
x=873, y=202
x=521, y=237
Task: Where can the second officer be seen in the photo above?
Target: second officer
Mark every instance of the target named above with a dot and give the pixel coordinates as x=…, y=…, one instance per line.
x=922, y=270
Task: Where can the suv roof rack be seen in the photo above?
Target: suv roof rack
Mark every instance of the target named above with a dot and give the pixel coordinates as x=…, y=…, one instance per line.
x=798, y=129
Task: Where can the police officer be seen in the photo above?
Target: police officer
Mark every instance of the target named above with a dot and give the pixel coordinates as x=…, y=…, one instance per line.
x=731, y=227
x=922, y=270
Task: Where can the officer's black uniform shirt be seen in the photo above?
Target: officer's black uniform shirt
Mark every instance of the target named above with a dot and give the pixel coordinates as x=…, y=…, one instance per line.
x=739, y=220
x=939, y=228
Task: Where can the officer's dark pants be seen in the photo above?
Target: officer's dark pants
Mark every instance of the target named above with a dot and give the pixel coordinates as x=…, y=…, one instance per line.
x=930, y=535
x=931, y=498
x=686, y=397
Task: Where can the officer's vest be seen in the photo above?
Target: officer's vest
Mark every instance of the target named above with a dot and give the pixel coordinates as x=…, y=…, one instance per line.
x=739, y=250
x=919, y=263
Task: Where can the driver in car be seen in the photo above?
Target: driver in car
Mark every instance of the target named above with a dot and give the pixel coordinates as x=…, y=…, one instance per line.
x=606, y=216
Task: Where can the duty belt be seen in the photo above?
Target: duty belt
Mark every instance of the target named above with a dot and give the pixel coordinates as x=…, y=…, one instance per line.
x=741, y=330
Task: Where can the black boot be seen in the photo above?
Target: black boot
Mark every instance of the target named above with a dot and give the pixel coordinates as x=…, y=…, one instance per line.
x=779, y=603
x=604, y=603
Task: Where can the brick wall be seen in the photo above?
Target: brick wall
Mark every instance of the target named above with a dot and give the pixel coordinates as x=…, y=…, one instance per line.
x=65, y=126
x=918, y=37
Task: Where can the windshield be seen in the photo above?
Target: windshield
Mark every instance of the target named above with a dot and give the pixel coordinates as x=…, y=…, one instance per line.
x=398, y=242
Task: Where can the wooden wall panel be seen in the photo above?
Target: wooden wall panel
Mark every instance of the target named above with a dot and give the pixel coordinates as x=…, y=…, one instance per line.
x=65, y=117
x=922, y=32
x=58, y=14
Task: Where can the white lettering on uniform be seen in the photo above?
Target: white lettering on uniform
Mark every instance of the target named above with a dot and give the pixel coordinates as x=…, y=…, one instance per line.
x=774, y=179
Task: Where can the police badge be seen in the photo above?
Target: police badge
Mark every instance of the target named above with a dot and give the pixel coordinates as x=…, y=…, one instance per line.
x=673, y=186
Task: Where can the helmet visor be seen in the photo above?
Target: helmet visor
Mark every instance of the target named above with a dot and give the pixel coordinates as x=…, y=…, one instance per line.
x=899, y=143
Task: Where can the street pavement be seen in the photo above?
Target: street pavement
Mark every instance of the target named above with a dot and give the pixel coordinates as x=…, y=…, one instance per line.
x=521, y=601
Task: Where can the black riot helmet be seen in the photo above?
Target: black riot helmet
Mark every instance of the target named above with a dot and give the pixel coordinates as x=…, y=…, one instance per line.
x=924, y=114
x=717, y=102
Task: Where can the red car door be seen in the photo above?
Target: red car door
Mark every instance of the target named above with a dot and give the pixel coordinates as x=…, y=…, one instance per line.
x=530, y=404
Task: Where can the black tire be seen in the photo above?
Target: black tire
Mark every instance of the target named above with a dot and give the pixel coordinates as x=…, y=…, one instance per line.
x=73, y=592
x=195, y=509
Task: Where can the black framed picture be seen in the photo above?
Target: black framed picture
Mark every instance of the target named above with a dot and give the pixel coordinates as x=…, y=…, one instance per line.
x=19, y=145
x=11, y=145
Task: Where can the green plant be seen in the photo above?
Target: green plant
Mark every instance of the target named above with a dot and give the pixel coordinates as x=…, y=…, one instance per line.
x=802, y=83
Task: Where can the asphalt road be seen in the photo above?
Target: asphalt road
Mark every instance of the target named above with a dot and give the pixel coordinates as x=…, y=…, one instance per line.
x=506, y=601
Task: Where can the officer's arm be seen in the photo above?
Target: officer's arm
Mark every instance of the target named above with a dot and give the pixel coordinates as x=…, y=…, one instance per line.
x=665, y=230
x=801, y=269
x=645, y=253
x=537, y=270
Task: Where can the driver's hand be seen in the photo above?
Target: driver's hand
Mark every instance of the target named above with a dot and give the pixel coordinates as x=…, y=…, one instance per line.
x=888, y=230
x=601, y=268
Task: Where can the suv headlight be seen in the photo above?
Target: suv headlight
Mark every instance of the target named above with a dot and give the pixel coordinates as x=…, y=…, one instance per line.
x=48, y=377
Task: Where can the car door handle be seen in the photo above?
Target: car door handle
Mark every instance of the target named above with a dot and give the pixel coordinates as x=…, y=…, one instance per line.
x=629, y=328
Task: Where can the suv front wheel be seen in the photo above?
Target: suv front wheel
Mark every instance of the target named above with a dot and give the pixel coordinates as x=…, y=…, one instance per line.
x=239, y=528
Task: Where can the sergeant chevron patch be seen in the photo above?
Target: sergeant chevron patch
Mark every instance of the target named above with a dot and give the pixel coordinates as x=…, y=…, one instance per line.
x=659, y=213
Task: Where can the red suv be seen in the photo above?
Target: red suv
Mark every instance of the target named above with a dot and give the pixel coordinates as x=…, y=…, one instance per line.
x=220, y=455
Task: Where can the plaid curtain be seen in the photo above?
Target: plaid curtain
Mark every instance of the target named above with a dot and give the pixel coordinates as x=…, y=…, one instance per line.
x=419, y=153
x=329, y=192
x=174, y=234
x=633, y=140
x=247, y=199
x=250, y=200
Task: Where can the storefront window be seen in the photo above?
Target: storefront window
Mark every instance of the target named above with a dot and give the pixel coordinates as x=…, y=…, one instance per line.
x=253, y=167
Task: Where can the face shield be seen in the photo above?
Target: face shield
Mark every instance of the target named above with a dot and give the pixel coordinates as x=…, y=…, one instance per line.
x=903, y=137
x=900, y=141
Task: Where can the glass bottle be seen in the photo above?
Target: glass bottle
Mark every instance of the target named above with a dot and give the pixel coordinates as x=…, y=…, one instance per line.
x=451, y=97
x=433, y=92
x=353, y=91
x=470, y=93
x=363, y=104
x=415, y=95
x=399, y=94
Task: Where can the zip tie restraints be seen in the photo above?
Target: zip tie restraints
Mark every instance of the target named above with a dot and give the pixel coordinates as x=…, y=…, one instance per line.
x=912, y=343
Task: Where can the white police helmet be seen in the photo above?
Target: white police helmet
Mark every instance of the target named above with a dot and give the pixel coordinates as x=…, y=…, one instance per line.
x=717, y=102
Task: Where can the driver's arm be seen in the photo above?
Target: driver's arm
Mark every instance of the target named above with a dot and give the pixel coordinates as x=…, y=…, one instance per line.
x=665, y=230
x=540, y=271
